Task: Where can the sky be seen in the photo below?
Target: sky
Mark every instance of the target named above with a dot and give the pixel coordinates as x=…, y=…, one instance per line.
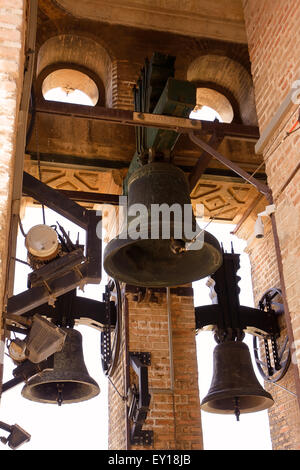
x=84, y=426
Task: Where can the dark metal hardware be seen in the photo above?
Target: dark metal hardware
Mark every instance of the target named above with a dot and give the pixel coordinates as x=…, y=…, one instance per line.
x=72, y=309
x=26, y=370
x=139, y=399
x=226, y=316
x=65, y=274
x=110, y=350
x=261, y=187
x=276, y=360
x=17, y=435
x=230, y=320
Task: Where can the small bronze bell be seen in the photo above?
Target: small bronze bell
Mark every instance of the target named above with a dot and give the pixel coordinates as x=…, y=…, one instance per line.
x=234, y=388
x=160, y=261
x=68, y=381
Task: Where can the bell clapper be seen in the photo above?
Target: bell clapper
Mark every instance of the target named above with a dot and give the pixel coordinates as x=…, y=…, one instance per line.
x=236, y=408
x=59, y=393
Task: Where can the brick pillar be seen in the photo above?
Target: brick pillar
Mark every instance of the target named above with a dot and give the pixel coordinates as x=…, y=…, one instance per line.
x=124, y=77
x=12, y=31
x=166, y=329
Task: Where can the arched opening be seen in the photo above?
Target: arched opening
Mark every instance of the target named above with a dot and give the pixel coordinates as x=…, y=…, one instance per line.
x=222, y=80
x=78, y=54
x=70, y=86
x=205, y=113
x=212, y=105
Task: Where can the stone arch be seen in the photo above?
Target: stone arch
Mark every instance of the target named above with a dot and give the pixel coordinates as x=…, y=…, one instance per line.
x=80, y=51
x=226, y=74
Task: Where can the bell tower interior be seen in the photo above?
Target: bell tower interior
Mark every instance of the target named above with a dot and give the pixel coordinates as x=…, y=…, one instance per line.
x=111, y=111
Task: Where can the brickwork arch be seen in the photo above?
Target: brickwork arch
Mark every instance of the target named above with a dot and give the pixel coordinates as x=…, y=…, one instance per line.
x=77, y=51
x=230, y=75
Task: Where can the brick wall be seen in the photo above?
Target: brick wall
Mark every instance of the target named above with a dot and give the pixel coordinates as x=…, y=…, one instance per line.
x=284, y=415
x=273, y=36
x=124, y=77
x=174, y=414
x=12, y=29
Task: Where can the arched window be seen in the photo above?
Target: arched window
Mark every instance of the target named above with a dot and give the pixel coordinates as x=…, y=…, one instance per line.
x=212, y=105
x=70, y=86
x=205, y=113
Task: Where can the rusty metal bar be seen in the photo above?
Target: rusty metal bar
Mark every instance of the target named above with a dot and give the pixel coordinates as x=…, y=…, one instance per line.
x=261, y=187
x=247, y=213
x=203, y=161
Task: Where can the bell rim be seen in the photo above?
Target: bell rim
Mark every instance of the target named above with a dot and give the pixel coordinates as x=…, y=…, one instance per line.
x=95, y=391
x=267, y=402
x=118, y=243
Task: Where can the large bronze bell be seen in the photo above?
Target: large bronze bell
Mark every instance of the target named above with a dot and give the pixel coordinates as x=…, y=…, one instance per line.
x=234, y=388
x=159, y=261
x=68, y=381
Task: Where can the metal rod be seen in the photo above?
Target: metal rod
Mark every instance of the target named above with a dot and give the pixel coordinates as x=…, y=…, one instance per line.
x=203, y=161
x=170, y=337
x=261, y=187
x=284, y=388
x=246, y=214
x=12, y=383
x=294, y=172
x=5, y=426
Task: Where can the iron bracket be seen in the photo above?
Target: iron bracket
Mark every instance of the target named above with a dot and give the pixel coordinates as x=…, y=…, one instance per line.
x=139, y=406
x=226, y=315
x=54, y=279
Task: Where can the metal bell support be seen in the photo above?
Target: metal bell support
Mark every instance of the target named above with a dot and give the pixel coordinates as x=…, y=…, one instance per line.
x=234, y=388
x=68, y=381
x=159, y=262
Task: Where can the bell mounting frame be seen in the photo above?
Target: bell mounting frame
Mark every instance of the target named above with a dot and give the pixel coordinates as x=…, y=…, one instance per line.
x=276, y=362
x=110, y=348
x=230, y=320
x=72, y=270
